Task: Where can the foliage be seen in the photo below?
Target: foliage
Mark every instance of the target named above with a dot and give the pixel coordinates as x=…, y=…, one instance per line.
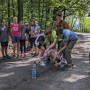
x=44, y=11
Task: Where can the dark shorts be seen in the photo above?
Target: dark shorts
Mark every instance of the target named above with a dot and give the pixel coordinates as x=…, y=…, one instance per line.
x=41, y=46
x=15, y=39
x=4, y=44
x=32, y=42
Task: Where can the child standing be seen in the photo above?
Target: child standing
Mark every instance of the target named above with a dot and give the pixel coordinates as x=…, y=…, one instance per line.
x=35, y=29
x=28, y=35
x=23, y=38
x=15, y=34
x=4, y=38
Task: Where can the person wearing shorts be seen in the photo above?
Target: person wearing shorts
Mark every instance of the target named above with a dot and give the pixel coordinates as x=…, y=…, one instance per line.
x=35, y=29
x=4, y=38
x=15, y=35
x=69, y=40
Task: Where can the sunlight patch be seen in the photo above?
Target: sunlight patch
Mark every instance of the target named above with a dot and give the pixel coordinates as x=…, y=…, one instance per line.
x=75, y=78
x=6, y=75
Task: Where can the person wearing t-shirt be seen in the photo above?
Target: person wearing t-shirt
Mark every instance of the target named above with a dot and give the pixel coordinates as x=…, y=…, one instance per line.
x=15, y=34
x=69, y=39
x=4, y=39
x=35, y=29
x=60, y=23
x=23, y=38
x=28, y=35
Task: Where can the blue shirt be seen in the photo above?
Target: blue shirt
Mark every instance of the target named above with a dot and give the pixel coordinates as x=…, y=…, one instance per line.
x=34, y=28
x=68, y=35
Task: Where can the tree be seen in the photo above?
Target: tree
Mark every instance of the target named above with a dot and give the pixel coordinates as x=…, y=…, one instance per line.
x=20, y=10
x=9, y=13
x=13, y=9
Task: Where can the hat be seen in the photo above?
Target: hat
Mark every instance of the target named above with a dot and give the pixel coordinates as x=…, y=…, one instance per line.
x=59, y=14
x=26, y=23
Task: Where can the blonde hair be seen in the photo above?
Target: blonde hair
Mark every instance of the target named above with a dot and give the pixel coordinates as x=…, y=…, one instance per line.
x=14, y=18
x=53, y=54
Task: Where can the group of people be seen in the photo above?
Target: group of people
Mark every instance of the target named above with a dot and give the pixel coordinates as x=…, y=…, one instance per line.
x=19, y=33
x=53, y=44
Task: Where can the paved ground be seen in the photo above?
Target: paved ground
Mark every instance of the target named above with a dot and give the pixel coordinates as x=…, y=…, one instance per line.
x=16, y=74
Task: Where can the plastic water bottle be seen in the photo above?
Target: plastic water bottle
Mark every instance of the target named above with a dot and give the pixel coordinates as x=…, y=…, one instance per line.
x=34, y=71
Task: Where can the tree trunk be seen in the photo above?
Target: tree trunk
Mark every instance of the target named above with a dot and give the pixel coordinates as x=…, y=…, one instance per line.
x=8, y=13
x=46, y=16
x=31, y=9
x=20, y=10
x=39, y=11
x=13, y=9
x=64, y=13
x=47, y=13
x=2, y=9
x=42, y=12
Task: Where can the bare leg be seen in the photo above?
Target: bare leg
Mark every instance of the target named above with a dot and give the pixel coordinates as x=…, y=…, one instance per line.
x=36, y=49
x=31, y=50
x=42, y=52
x=5, y=50
x=18, y=47
x=14, y=47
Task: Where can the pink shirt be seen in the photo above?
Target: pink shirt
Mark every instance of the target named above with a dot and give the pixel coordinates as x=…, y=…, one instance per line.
x=15, y=30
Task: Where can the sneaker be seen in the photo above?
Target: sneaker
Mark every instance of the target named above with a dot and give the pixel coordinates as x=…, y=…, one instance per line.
x=14, y=56
x=25, y=54
x=42, y=63
x=21, y=55
x=68, y=65
x=4, y=58
x=65, y=62
x=8, y=57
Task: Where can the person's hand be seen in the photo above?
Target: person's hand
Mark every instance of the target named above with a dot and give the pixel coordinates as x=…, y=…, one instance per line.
x=32, y=34
x=59, y=52
x=37, y=62
x=56, y=64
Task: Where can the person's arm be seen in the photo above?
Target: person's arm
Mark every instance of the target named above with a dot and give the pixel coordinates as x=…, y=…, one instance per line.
x=47, y=42
x=52, y=45
x=67, y=25
x=65, y=45
x=27, y=38
x=35, y=34
x=54, y=37
x=19, y=28
x=38, y=30
x=53, y=27
x=8, y=33
x=11, y=28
